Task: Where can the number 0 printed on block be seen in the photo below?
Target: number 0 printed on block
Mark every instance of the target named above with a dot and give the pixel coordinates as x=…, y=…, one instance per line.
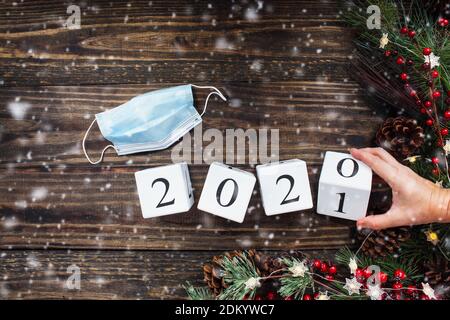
x=227, y=192
x=344, y=187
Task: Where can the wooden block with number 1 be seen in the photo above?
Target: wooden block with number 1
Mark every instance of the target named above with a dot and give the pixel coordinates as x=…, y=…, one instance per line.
x=344, y=187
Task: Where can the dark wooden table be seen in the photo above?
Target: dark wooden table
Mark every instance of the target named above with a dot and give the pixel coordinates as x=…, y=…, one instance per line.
x=283, y=64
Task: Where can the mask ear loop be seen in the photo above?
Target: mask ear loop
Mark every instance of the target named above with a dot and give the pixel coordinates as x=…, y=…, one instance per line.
x=216, y=92
x=84, y=147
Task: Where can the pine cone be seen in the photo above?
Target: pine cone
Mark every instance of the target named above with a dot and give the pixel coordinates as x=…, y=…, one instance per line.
x=384, y=242
x=213, y=272
x=401, y=136
x=266, y=264
x=437, y=274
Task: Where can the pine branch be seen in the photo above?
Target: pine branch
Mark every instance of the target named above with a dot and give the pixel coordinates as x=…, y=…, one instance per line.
x=198, y=293
x=238, y=271
x=294, y=286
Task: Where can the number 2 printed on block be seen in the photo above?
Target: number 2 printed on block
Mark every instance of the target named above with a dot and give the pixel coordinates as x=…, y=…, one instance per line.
x=284, y=186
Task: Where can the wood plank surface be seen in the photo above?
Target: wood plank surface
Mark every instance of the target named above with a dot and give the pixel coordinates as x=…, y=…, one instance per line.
x=282, y=64
x=170, y=41
x=97, y=206
x=104, y=274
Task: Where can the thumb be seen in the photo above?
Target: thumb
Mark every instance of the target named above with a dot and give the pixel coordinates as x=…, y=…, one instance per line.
x=389, y=219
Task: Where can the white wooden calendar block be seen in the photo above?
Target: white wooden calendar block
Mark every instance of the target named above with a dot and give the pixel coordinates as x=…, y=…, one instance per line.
x=164, y=190
x=226, y=192
x=344, y=187
x=284, y=186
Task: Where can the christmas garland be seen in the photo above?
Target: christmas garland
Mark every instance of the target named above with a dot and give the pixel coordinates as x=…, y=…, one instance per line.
x=404, y=67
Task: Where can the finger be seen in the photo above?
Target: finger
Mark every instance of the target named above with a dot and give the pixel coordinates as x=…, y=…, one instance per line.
x=387, y=172
x=383, y=154
x=390, y=219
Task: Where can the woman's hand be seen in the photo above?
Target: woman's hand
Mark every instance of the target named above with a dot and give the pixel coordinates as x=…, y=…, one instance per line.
x=415, y=200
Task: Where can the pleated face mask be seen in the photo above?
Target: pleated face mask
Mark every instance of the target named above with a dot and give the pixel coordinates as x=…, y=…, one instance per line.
x=152, y=121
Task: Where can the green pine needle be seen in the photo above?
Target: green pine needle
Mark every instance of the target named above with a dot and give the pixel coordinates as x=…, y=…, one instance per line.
x=237, y=271
x=198, y=293
x=294, y=286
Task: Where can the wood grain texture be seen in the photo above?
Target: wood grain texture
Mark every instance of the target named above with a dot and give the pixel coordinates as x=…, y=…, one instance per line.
x=172, y=40
x=104, y=274
x=88, y=206
x=283, y=66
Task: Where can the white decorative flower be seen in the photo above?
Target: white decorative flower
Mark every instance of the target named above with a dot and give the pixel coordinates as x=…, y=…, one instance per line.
x=432, y=59
x=353, y=265
x=323, y=296
x=428, y=291
x=447, y=147
x=412, y=159
x=252, y=283
x=375, y=292
x=352, y=286
x=298, y=269
x=384, y=40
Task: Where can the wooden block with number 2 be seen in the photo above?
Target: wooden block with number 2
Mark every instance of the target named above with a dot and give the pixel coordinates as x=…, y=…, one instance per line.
x=284, y=186
x=164, y=190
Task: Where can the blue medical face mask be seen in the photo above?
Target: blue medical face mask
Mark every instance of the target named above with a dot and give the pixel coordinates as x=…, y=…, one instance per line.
x=151, y=121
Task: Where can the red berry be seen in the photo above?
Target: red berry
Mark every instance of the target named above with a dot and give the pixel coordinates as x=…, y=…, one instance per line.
x=387, y=53
x=418, y=102
x=444, y=131
x=367, y=273
x=439, y=143
x=424, y=297
x=307, y=297
x=400, y=274
x=429, y=122
x=258, y=297
x=434, y=74
x=423, y=110
x=324, y=267
x=397, y=285
x=288, y=298
x=443, y=22
x=271, y=295
x=436, y=94
x=411, y=290
x=358, y=273
x=329, y=277
x=403, y=76
x=404, y=30
x=409, y=62
x=427, y=104
x=426, y=66
x=426, y=51
x=413, y=93
x=400, y=60
x=412, y=34
x=332, y=270
x=435, y=171
x=317, y=263
x=383, y=277
x=447, y=114
x=435, y=160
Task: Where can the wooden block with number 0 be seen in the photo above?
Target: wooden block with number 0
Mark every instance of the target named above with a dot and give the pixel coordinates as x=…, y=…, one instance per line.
x=344, y=187
x=164, y=190
x=284, y=186
x=227, y=192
